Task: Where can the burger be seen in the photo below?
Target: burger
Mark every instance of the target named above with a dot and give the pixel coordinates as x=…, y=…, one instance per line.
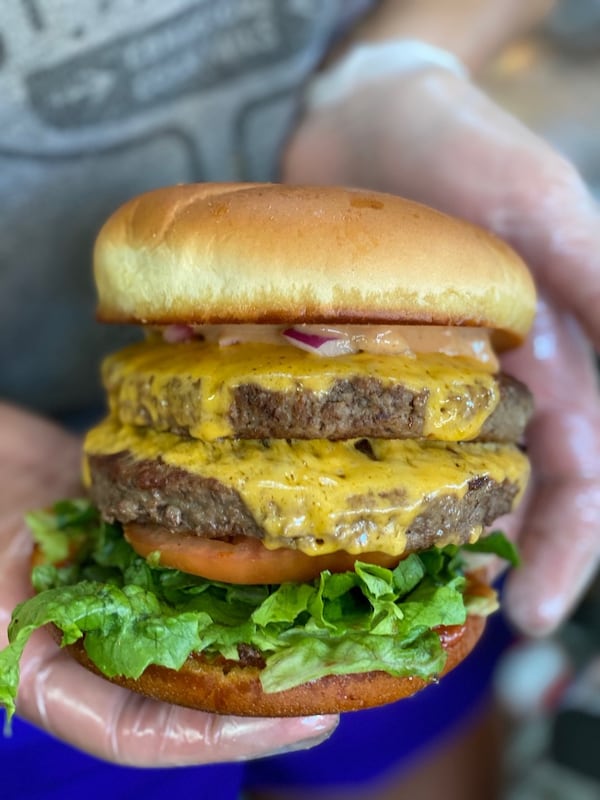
x=299, y=457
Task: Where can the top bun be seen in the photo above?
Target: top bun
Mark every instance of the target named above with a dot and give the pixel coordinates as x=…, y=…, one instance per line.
x=270, y=253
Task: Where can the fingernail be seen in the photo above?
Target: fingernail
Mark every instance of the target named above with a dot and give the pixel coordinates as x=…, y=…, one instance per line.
x=322, y=727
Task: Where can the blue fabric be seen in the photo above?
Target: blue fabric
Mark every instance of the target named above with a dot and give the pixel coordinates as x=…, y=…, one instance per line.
x=35, y=766
x=366, y=745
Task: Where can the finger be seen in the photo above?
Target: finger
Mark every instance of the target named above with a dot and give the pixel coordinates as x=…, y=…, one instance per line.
x=560, y=543
x=488, y=167
x=555, y=225
x=29, y=483
x=117, y=725
x=556, y=362
x=39, y=462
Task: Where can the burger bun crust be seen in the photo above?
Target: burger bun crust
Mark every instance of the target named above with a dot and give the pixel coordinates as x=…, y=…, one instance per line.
x=271, y=253
x=228, y=688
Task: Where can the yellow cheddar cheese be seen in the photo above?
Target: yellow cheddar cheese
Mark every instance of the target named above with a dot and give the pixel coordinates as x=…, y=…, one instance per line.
x=192, y=383
x=320, y=496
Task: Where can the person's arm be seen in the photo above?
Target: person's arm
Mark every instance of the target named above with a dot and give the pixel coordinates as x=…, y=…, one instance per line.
x=39, y=464
x=473, y=30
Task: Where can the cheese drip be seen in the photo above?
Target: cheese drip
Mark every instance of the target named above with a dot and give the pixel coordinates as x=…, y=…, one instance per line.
x=192, y=382
x=320, y=496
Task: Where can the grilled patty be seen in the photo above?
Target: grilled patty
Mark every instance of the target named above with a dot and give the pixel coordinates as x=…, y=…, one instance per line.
x=363, y=407
x=350, y=409
x=127, y=489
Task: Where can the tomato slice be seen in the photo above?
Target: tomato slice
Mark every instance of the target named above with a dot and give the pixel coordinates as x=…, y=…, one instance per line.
x=242, y=559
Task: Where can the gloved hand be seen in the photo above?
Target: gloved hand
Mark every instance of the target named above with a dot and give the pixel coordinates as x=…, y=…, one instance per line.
x=429, y=134
x=40, y=463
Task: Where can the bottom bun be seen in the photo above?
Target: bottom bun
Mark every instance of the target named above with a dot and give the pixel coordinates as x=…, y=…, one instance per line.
x=226, y=687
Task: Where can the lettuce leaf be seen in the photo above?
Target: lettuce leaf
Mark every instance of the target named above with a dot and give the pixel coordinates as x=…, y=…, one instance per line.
x=134, y=613
x=497, y=544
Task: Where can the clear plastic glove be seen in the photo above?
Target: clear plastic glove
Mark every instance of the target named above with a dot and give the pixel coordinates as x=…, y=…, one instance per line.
x=40, y=463
x=433, y=136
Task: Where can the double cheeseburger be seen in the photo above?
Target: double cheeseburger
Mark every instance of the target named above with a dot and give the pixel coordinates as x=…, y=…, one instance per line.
x=298, y=457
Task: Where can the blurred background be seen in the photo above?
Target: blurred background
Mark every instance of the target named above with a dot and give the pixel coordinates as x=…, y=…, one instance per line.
x=549, y=692
x=552, y=81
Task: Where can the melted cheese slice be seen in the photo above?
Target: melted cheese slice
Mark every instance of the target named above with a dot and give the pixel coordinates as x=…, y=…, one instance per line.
x=191, y=383
x=320, y=496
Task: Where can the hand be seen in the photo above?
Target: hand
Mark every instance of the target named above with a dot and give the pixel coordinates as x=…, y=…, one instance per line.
x=40, y=463
x=436, y=138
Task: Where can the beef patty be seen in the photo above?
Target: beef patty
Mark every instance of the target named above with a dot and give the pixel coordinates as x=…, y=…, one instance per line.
x=351, y=408
x=364, y=407
x=153, y=492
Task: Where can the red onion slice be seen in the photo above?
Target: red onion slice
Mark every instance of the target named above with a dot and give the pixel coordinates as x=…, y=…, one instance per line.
x=316, y=343
x=310, y=340
x=177, y=333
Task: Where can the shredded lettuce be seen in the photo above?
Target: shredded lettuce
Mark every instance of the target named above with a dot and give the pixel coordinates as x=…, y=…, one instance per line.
x=134, y=613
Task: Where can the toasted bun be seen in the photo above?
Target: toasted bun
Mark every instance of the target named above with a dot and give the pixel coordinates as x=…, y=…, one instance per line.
x=231, y=689
x=268, y=253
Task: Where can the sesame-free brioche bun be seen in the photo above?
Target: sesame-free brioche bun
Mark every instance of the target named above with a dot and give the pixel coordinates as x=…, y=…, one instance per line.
x=270, y=253
x=228, y=688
